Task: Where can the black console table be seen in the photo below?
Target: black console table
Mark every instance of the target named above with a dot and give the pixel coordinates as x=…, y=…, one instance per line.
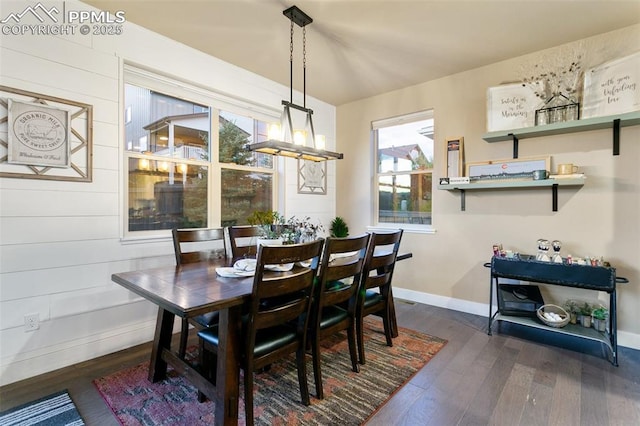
x=526, y=268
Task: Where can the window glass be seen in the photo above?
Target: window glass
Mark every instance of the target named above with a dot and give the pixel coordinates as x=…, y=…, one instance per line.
x=166, y=139
x=404, y=171
x=244, y=187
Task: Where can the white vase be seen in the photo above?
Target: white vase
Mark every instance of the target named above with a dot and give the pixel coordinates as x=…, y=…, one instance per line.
x=269, y=242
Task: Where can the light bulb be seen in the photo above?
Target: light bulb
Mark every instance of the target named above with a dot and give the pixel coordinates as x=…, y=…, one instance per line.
x=320, y=141
x=299, y=137
x=273, y=132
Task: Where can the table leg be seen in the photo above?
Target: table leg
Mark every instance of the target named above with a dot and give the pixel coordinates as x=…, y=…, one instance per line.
x=227, y=369
x=161, y=341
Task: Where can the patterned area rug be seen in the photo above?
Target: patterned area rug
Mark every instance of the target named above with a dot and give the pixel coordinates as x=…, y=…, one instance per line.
x=349, y=398
x=54, y=410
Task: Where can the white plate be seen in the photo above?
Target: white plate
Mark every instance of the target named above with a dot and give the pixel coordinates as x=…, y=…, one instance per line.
x=233, y=273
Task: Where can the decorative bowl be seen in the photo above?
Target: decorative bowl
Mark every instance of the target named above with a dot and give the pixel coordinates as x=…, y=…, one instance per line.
x=550, y=309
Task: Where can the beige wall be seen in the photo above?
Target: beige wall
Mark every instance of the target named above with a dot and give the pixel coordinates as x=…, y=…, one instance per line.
x=600, y=219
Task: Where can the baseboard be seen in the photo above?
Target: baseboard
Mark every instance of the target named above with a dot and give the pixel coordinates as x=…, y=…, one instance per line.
x=626, y=339
x=74, y=352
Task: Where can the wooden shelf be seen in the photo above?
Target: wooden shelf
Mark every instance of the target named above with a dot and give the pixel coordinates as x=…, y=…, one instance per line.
x=569, y=329
x=595, y=123
x=546, y=183
x=514, y=184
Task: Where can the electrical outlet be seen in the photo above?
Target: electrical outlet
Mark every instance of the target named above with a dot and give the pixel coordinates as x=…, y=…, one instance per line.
x=31, y=322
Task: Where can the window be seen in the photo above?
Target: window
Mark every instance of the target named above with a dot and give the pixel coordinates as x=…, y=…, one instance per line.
x=173, y=178
x=404, y=167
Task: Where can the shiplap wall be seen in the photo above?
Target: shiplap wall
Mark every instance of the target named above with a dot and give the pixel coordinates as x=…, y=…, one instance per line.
x=61, y=241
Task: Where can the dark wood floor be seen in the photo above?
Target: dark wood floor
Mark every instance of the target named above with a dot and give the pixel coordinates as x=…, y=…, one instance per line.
x=476, y=379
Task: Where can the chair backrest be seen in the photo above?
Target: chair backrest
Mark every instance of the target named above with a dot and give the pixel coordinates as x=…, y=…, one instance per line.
x=279, y=298
x=380, y=260
x=339, y=273
x=196, y=245
x=242, y=240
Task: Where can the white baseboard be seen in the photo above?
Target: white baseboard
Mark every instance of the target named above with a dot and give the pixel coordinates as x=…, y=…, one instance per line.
x=626, y=339
x=73, y=352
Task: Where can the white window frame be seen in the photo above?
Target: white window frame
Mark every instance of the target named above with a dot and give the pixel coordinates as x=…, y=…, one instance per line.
x=389, y=122
x=216, y=102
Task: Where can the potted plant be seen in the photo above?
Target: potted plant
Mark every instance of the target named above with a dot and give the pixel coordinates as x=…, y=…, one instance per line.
x=572, y=307
x=585, y=315
x=271, y=224
x=303, y=230
x=339, y=228
x=599, y=316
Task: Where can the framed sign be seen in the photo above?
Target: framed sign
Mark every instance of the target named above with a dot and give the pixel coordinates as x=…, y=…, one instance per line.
x=612, y=88
x=38, y=134
x=44, y=137
x=514, y=168
x=455, y=157
x=512, y=106
x=312, y=177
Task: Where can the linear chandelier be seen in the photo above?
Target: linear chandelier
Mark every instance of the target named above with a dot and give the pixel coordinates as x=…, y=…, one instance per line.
x=283, y=139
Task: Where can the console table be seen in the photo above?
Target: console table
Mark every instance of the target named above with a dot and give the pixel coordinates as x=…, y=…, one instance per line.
x=526, y=268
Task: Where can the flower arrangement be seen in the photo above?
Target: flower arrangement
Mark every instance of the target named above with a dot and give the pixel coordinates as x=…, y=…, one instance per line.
x=555, y=76
x=269, y=222
x=304, y=230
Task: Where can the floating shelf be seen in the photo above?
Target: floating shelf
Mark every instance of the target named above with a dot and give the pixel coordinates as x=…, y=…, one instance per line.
x=552, y=183
x=583, y=125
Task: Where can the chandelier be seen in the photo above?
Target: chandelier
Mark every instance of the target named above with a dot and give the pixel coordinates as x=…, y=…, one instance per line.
x=283, y=139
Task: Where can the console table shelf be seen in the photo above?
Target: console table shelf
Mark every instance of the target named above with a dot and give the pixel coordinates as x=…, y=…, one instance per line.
x=526, y=268
x=545, y=183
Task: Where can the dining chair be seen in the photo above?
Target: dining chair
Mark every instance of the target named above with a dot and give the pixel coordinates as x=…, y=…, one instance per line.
x=277, y=318
x=240, y=247
x=191, y=246
x=377, y=274
x=333, y=307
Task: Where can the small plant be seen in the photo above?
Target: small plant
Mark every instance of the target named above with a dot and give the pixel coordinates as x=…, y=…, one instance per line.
x=585, y=309
x=339, y=228
x=270, y=223
x=600, y=313
x=572, y=307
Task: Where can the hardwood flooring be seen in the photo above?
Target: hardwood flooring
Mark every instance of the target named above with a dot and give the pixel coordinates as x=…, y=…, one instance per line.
x=514, y=377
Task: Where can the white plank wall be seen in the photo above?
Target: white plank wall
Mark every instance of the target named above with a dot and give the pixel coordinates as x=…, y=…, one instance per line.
x=61, y=241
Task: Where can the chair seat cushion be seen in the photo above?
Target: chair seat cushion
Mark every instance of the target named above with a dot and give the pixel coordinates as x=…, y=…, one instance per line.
x=332, y=315
x=266, y=340
x=207, y=320
x=372, y=298
x=335, y=285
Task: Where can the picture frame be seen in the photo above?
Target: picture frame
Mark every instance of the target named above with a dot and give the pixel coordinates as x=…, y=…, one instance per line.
x=455, y=157
x=506, y=169
x=512, y=106
x=27, y=136
x=312, y=177
x=612, y=88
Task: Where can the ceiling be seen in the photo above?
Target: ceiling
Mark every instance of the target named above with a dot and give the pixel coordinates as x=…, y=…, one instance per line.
x=360, y=48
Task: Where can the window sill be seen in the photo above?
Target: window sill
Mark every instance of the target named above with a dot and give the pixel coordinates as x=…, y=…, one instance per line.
x=413, y=229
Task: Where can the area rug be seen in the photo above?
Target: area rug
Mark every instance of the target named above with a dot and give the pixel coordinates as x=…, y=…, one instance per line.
x=349, y=398
x=54, y=410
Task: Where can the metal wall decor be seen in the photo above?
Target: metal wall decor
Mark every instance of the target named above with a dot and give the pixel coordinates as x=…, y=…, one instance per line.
x=44, y=137
x=312, y=177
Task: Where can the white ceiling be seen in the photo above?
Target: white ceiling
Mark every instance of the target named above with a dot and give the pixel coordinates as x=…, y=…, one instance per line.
x=360, y=48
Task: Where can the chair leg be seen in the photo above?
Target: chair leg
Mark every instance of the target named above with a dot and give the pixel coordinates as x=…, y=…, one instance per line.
x=248, y=395
x=351, y=337
x=360, y=338
x=184, y=336
x=317, y=373
x=388, y=325
x=302, y=374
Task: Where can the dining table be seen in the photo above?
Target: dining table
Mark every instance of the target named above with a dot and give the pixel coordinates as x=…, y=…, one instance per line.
x=187, y=291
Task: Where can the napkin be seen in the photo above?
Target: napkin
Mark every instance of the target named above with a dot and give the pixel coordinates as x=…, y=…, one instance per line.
x=247, y=268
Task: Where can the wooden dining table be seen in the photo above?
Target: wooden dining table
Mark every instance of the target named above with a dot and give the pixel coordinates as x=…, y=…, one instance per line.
x=187, y=291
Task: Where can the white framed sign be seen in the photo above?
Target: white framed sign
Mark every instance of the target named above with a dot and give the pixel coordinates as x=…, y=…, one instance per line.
x=312, y=177
x=612, y=88
x=512, y=106
x=38, y=134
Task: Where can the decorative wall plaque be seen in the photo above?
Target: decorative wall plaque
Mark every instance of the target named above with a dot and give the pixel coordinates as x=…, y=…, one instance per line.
x=44, y=137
